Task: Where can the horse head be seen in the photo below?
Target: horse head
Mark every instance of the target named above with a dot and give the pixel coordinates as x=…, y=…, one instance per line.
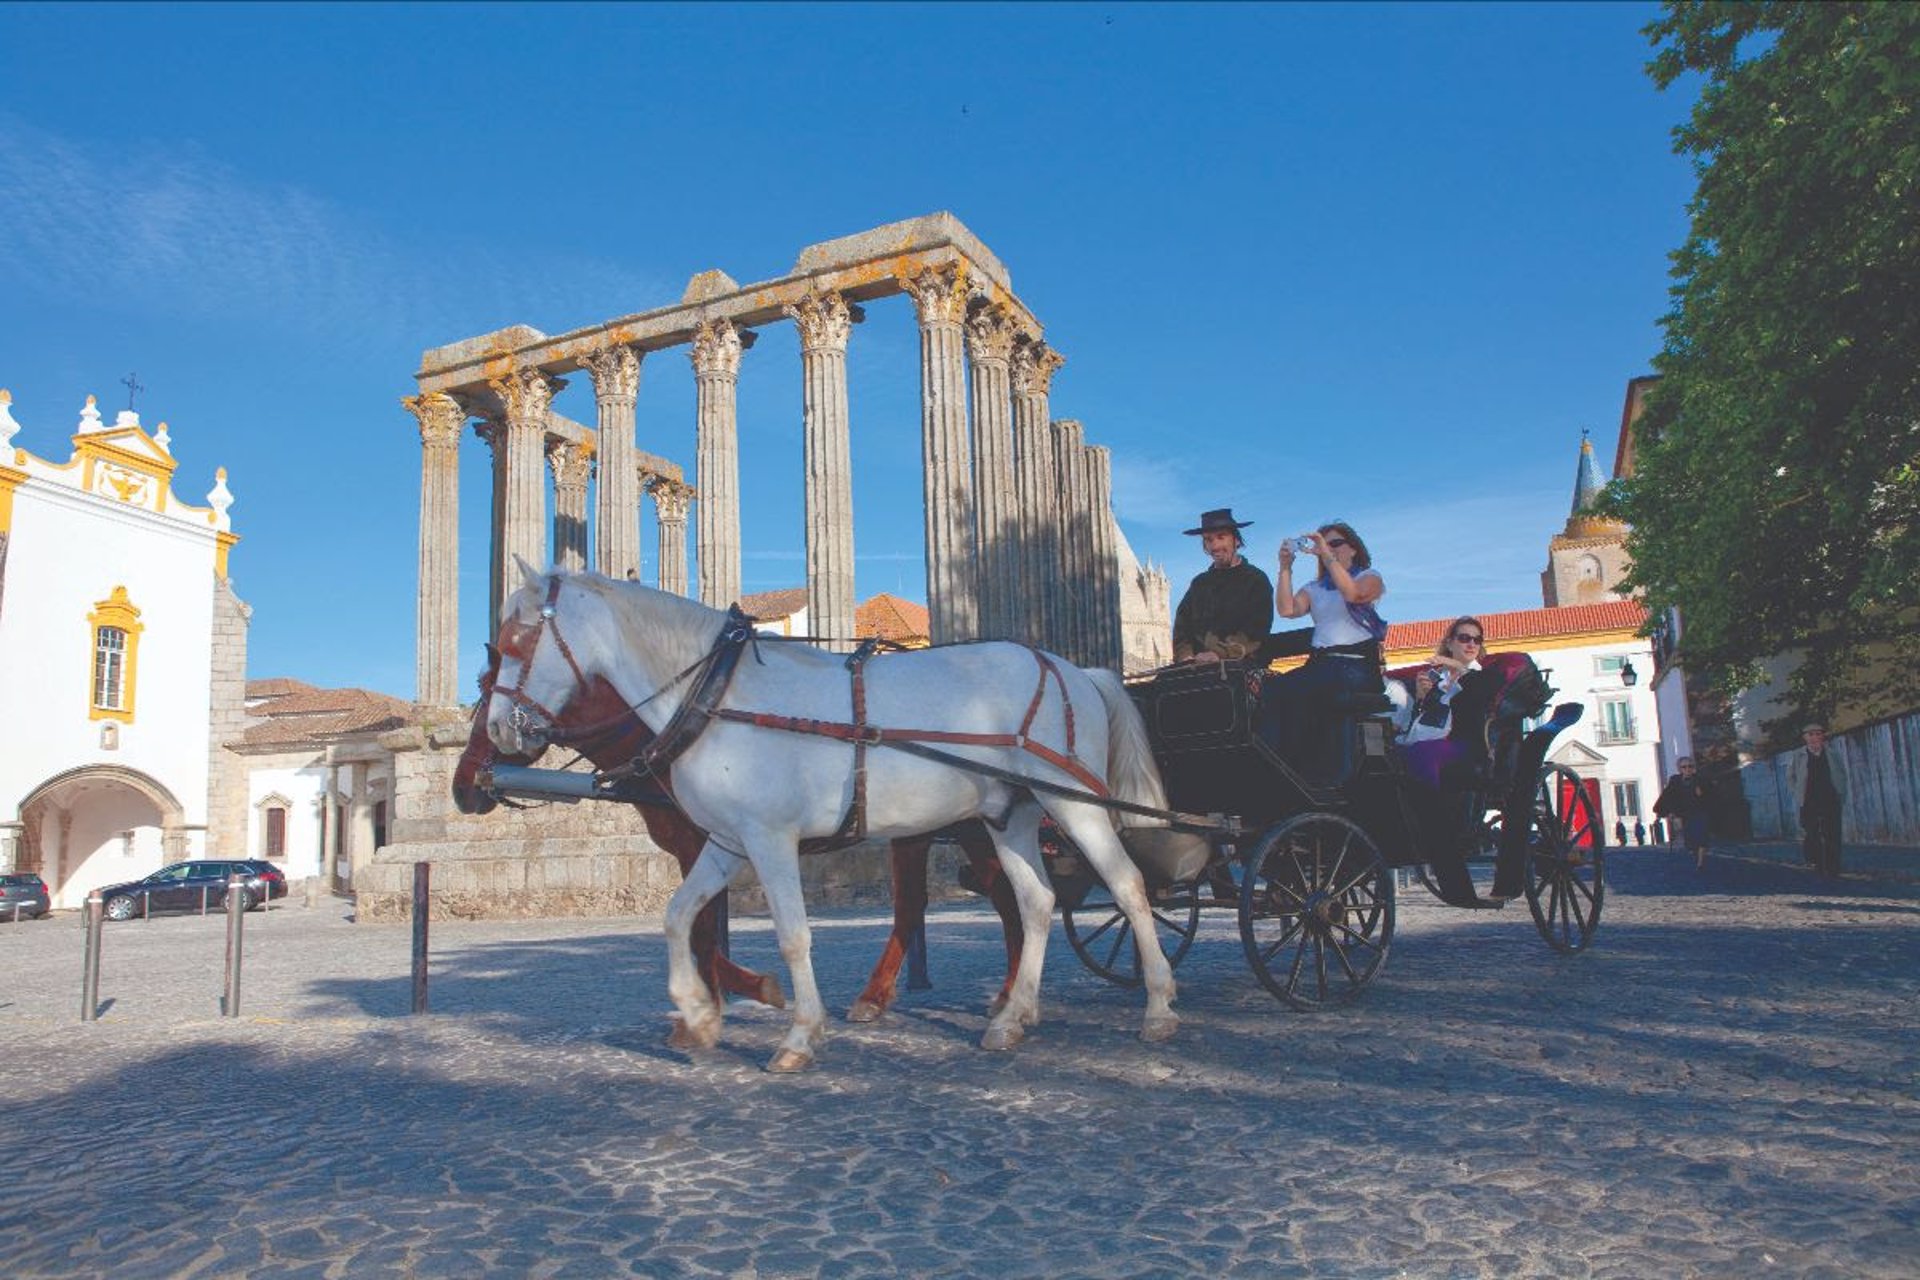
x=541, y=630
x=480, y=753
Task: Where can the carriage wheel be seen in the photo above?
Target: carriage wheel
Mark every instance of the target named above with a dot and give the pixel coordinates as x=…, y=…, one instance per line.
x=1486, y=848
x=1566, y=861
x=1316, y=910
x=1103, y=939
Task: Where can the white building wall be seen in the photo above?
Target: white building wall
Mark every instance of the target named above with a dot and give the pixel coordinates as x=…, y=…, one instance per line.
x=301, y=785
x=1576, y=673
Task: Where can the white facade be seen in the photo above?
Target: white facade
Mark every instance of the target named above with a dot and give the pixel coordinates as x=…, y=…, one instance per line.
x=104, y=780
x=1617, y=742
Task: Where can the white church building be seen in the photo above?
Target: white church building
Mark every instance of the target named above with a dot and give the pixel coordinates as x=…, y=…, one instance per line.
x=114, y=607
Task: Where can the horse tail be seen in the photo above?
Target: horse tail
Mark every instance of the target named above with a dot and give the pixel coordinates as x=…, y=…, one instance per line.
x=1131, y=773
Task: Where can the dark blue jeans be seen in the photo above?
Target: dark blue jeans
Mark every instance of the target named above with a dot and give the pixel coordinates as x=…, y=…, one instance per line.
x=1296, y=708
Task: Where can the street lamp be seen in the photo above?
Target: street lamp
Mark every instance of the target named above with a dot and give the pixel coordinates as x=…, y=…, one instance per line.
x=1628, y=676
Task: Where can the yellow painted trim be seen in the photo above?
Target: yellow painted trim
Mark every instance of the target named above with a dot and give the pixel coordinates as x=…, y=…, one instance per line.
x=119, y=612
x=222, y=544
x=93, y=446
x=9, y=481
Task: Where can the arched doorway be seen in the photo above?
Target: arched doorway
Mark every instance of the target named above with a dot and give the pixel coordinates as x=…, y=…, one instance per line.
x=97, y=825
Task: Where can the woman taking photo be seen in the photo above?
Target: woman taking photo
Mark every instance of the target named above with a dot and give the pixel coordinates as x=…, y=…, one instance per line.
x=1296, y=706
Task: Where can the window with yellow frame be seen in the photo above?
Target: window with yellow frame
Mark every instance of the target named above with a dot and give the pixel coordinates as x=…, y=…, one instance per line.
x=116, y=627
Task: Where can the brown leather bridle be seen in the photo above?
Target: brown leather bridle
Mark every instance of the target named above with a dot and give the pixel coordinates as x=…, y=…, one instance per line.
x=521, y=641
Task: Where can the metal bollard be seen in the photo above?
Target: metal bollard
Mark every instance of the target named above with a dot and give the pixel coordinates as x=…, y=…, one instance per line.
x=236, y=931
x=422, y=901
x=203, y=899
x=94, y=914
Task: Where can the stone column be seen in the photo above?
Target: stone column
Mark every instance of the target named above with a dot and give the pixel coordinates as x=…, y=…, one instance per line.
x=493, y=432
x=329, y=821
x=1105, y=613
x=616, y=509
x=572, y=463
x=990, y=335
x=528, y=397
x=825, y=321
x=670, y=500
x=1037, y=490
x=359, y=817
x=946, y=465
x=437, y=617
x=1074, y=544
x=717, y=345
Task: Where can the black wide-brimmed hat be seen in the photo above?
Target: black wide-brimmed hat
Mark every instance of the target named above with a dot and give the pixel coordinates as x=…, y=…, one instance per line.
x=1212, y=521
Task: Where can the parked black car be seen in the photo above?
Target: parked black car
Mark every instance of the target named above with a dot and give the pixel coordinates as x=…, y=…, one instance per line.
x=25, y=893
x=186, y=886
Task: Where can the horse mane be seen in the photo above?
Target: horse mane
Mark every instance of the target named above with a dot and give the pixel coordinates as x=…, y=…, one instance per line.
x=674, y=622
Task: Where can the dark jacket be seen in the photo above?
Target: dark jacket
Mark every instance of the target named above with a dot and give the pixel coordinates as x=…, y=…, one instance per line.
x=1228, y=611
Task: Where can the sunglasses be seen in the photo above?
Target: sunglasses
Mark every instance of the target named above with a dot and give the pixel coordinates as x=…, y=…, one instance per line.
x=1461, y=637
x=1336, y=543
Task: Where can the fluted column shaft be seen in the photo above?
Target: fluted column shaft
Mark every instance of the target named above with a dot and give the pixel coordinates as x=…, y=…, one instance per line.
x=946, y=464
x=1107, y=643
x=437, y=617
x=990, y=335
x=616, y=508
x=670, y=500
x=528, y=397
x=825, y=321
x=1037, y=490
x=717, y=345
x=1074, y=540
x=572, y=463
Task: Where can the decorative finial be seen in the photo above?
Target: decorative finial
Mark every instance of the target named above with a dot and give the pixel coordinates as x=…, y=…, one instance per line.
x=220, y=498
x=8, y=427
x=162, y=439
x=90, y=417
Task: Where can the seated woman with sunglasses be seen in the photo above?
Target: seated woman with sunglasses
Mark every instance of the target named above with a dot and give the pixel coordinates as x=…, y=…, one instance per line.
x=1296, y=707
x=1458, y=653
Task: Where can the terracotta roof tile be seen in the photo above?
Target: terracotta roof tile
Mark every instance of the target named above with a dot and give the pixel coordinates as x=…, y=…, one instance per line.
x=771, y=606
x=1526, y=624
x=304, y=715
x=891, y=618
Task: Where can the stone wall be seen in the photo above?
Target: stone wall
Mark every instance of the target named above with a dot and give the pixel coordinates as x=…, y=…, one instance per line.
x=227, y=722
x=1883, y=786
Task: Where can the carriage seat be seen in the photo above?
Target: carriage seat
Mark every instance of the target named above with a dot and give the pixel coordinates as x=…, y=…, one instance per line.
x=1355, y=702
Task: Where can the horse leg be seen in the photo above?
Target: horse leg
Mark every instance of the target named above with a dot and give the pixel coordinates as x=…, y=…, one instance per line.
x=1090, y=829
x=779, y=872
x=908, y=859
x=676, y=834
x=698, y=1026
x=1019, y=849
x=978, y=846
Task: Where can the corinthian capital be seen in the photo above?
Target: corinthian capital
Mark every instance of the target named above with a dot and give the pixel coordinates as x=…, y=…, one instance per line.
x=717, y=345
x=440, y=417
x=939, y=294
x=990, y=333
x=1034, y=364
x=572, y=463
x=528, y=395
x=615, y=372
x=671, y=497
x=825, y=320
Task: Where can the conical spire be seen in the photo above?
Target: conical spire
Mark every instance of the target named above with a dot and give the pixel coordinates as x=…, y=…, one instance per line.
x=1587, y=487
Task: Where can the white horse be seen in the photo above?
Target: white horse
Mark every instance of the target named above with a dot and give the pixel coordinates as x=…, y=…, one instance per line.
x=760, y=790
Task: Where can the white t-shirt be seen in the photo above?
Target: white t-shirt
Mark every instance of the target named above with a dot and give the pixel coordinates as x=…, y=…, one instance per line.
x=1332, y=624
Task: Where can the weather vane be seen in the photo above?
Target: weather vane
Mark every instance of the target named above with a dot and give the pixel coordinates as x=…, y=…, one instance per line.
x=132, y=383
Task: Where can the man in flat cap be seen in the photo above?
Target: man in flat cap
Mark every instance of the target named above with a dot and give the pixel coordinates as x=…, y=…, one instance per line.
x=1228, y=610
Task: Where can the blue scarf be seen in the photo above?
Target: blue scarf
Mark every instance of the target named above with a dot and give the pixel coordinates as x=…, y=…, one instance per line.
x=1364, y=615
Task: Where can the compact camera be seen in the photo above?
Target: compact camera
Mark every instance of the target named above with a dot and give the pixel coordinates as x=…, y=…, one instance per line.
x=1303, y=544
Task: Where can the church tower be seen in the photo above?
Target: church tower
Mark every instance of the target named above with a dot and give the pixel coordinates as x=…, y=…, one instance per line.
x=1587, y=559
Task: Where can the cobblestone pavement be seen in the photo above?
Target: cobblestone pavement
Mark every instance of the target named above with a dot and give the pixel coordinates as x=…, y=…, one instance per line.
x=1725, y=1086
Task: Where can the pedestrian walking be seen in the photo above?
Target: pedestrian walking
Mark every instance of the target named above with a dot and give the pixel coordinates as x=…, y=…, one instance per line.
x=1822, y=788
x=1685, y=800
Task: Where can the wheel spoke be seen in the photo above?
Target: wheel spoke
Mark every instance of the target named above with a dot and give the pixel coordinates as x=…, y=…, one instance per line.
x=1121, y=937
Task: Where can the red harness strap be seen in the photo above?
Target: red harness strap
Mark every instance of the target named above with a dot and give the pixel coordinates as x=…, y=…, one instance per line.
x=862, y=734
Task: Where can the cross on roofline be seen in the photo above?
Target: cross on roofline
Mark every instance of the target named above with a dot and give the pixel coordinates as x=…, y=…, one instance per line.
x=132, y=383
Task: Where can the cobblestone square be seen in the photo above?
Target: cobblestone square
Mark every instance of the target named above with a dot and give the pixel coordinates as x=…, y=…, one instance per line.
x=1724, y=1086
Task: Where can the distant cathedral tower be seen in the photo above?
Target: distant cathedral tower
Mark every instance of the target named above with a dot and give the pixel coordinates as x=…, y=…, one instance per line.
x=1587, y=560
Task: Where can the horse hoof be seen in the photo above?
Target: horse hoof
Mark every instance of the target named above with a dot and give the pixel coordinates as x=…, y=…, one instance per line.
x=688, y=1039
x=865, y=1010
x=788, y=1061
x=1002, y=1039
x=770, y=993
x=1155, y=1030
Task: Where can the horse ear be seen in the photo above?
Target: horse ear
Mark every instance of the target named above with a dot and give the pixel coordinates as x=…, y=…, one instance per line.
x=532, y=576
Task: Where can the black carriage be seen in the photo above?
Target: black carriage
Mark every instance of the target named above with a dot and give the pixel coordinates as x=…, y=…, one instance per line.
x=1309, y=863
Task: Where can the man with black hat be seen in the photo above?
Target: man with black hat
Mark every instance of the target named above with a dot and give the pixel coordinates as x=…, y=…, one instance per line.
x=1228, y=610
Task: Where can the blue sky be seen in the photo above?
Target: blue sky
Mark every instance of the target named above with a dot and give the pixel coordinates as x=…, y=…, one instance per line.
x=1376, y=263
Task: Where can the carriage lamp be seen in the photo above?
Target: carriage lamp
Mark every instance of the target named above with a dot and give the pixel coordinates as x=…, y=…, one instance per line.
x=1628, y=676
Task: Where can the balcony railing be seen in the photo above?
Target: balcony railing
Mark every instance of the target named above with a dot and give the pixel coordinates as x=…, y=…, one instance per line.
x=1606, y=736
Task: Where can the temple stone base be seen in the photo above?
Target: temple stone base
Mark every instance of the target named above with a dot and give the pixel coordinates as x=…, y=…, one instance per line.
x=593, y=858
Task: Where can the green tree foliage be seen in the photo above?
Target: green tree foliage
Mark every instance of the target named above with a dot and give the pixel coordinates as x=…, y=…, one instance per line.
x=1777, y=467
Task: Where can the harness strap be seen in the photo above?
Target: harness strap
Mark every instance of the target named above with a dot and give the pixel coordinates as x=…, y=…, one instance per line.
x=692, y=715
